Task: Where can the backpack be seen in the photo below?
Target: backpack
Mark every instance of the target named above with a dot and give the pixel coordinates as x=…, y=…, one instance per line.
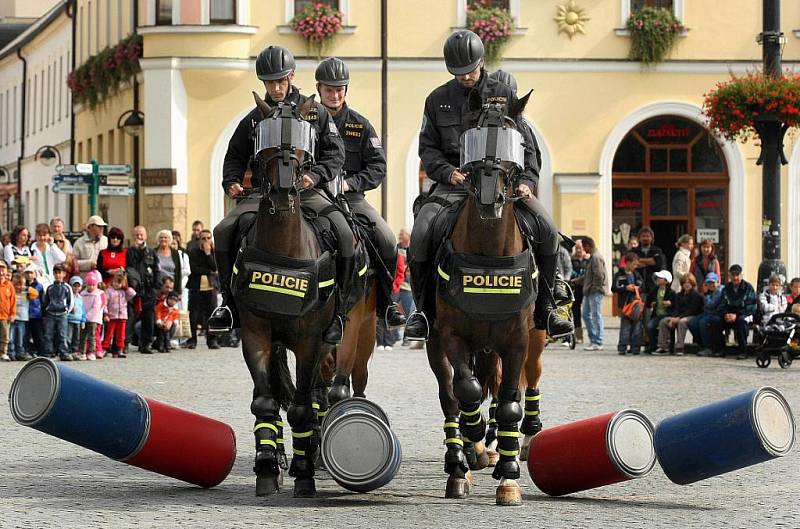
x=634, y=309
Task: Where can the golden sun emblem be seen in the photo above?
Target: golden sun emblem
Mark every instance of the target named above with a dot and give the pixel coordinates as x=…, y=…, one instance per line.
x=571, y=19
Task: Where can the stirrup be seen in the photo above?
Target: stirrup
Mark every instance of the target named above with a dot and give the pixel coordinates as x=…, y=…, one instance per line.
x=220, y=329
x=556, y=336
x=427, y=328
x=386, y=317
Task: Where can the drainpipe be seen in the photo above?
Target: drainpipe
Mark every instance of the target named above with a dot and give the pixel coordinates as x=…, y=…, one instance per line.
x=22, y=134
x=384, y=100
x=136, y=198
x=71, y=10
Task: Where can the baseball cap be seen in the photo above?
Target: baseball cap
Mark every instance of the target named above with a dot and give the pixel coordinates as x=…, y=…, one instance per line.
x=97, y=220
x=76, y=280
x=173, y=295
x=30, y=268
x=664, y=274
x=736, y=269
x=711, y=277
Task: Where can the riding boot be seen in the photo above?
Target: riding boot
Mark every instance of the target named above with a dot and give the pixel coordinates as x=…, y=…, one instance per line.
x=225, y=317
x=417, y=328
x=560, y=292
x=385, y=307
x=545, y=311
x=345, y=268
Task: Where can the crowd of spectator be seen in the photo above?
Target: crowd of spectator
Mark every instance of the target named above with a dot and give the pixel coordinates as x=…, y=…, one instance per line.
x=101, y=296
x=659, y=305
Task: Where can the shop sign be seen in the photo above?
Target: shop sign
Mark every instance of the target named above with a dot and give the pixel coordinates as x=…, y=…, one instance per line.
x=158, y=177
x=627, y=203
x=667, y=131
x=709, y=204
x=708, y=234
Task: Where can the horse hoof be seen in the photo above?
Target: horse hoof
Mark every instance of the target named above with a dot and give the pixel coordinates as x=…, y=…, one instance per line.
x=508, y=493
x=304, y=488
x=457, y=488
x=526, y=445
x=268, y=484
x=493, y=456
x=481, y=457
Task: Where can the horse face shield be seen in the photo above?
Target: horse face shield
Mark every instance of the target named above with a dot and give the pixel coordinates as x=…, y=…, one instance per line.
x=492, y=156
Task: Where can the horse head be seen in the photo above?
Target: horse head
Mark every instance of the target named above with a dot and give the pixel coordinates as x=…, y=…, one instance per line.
x=492, y=153
x=284, y=146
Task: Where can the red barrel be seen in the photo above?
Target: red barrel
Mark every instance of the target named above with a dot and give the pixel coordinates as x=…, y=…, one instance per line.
x=186, y=446
x=593, y=452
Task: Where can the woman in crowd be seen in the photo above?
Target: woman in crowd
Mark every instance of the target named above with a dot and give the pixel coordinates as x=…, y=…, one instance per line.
x=70, y=264
x=705, y=263
x=19, y=245
x=169, y=260
x=44, y=255
x=682, y=261
x=688, y=304
x=114, y=259
x=177, y=244
x=579, y=263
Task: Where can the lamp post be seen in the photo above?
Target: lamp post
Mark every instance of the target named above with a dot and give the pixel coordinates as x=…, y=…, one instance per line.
x=133, y=125
x=48, y=155
x=771, y=131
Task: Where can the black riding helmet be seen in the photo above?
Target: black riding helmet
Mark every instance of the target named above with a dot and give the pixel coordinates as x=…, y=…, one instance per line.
x=463, y=51
x=505, y=78
x=274, y=63
x=333, y=72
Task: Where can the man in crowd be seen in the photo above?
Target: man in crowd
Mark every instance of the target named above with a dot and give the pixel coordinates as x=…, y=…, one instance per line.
x=736, y=310
x=197, y=227
x=203, y=284
x=700, y=327
x=88, y=246
x=143, y=277
x=651, y=258
x=56, y=229
x=594, y=283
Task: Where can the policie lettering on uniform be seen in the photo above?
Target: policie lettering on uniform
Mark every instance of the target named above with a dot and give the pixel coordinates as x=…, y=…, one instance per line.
x=282, y=284
x=491, y=284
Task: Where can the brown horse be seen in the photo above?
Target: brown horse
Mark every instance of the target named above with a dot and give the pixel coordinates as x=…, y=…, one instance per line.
x=461, y=341
x=282, y=233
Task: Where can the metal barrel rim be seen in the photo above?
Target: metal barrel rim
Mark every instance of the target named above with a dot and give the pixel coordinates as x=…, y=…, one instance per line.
x=630, y=443
x=352, y=405
x=773, y=421
x=34, y=368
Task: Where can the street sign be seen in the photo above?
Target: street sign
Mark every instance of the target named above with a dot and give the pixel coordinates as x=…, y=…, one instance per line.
x=120, y=191
x=83, y=168
x=70, y=169
x=72, y=179
x=114, y=169
x=115, y=180
x=72, y=189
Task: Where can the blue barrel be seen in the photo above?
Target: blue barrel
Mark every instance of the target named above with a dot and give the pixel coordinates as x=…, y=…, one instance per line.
x=360, y=451
x=724, y=436
x=351, y=405
x=75, y=407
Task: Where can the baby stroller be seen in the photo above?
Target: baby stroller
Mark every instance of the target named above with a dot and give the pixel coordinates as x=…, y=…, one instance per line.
x=564, y=312
x=780, y=338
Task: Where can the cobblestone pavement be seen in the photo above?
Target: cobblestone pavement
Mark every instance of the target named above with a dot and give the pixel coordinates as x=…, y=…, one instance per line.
x=45, y=482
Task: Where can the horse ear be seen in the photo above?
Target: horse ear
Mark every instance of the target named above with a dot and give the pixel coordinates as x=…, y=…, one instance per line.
x=262, y=105
x=516, y=108
x=475, y=101
x=306, y=107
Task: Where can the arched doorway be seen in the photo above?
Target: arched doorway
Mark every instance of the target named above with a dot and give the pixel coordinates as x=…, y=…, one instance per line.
x=670, y=174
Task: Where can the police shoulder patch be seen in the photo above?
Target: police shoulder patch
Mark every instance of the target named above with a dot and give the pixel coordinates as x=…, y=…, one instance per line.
x=332, y=128
x=376, y=142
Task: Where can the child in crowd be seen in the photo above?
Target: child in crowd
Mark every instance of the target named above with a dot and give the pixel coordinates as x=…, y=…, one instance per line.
x=772, y=300
x=56, y=306
x=98, y=335
x=661, y=300
x=118, y=296
x=794, y=293
x=167, y=314
x=19, y=327
x=94, y=306
x=8, y=310
x=627, y=282
x=35, y=319
x=76, y=319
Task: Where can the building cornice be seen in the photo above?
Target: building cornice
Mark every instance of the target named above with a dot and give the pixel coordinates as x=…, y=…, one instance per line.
x=577, y=183
x=198, y=29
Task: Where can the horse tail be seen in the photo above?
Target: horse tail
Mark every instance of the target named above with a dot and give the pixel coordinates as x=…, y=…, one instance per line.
x=488, y=372
x=281, y=377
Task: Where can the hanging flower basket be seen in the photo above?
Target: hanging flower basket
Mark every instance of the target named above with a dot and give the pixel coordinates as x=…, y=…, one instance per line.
x=493, y=25
x=734, y=107
x=317, y=24
x=99, y=77
x=654, y=32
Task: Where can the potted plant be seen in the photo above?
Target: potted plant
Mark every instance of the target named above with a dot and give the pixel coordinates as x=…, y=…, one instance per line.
x=735, y=108
x=100, y=75
x=493, y=25
x=317, y=24
x=654, y=32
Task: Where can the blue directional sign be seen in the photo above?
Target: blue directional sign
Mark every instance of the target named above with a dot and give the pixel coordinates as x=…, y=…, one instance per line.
x=72, y=179
x=119, y=191
x=114, y=169
x=72, y=189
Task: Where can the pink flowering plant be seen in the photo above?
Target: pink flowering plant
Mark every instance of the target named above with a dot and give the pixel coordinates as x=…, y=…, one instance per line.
x=100, y=75
x=317, y=24
x=654, y=32
x=493, y=25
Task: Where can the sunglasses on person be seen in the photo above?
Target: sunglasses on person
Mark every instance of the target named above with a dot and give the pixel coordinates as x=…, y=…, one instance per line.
x=115, y=238
x=59, y=241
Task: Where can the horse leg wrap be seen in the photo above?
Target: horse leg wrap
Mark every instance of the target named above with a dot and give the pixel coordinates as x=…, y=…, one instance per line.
x=468, y=391
x=302, y=418
x=268, y=458
x=531, y=423
x=472, y=423
x=491, y=432
x=264, y=406
x=340, y=389
x=455, y=464
x=508, y=414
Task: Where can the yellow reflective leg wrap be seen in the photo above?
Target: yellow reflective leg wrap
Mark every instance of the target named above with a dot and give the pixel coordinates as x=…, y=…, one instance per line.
x=501, y=433
x=301, y=435
x=268, y=442
x=508, y=453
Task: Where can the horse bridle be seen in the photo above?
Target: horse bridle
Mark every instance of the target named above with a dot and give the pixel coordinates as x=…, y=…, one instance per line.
x=481, y=183
x=288, y=161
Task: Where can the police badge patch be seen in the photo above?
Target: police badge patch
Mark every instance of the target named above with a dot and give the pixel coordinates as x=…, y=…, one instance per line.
x=332, y=128
x=376, y=142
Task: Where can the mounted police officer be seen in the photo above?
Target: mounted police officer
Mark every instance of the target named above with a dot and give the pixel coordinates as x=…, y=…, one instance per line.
x=439, y=149
x=364, y=170
x=275, y=66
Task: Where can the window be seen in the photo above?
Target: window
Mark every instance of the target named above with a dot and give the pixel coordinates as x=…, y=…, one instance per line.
x=48, y=104
x=4, y=124
x=80, y=41
x=163, y=12
x=502, y=4
x=222, y=12
x=638, y=4
x=299, y=5
x=89, y=28
x=108, y=24
x=14, y=116
x=629, y=6
x=32, y=102
x=67, y=93
x=61, y=83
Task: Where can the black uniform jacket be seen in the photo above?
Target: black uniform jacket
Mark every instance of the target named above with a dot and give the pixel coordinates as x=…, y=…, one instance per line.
x=365, y=162
x=443, y=123
x=329, y=155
